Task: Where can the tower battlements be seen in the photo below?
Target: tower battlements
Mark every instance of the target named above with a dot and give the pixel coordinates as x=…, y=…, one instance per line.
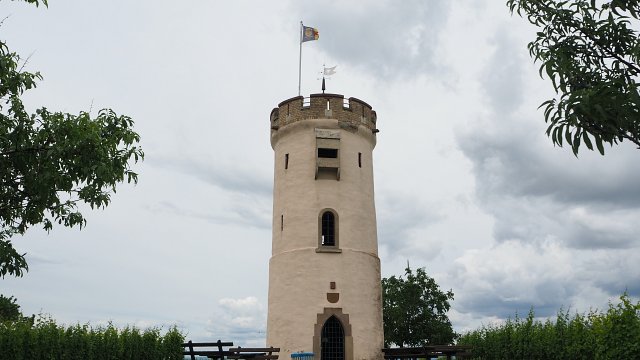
x=352, y=111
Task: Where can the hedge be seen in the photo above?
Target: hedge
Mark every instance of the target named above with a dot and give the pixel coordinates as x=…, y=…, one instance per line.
x=44, y=339
x=614, y=334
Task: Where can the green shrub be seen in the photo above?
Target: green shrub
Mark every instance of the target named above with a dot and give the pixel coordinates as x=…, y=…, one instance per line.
x=44, y=339
x=614, y=334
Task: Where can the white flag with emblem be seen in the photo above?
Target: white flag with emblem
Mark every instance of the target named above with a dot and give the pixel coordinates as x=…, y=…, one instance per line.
x=329, y=71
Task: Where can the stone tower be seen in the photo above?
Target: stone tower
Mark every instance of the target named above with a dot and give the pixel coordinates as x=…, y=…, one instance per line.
x=324, y=272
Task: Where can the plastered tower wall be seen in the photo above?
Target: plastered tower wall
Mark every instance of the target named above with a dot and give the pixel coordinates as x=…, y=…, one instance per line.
x=308, y=281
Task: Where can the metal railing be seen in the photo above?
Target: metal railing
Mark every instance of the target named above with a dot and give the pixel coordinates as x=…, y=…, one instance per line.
x=302, y=355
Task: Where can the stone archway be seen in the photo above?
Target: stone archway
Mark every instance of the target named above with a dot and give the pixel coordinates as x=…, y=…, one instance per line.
x=333, y=327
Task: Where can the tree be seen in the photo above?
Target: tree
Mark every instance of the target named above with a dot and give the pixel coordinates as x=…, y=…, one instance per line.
x=591, y=54
x=50, y=162
x=414, y=310
x=9, y=309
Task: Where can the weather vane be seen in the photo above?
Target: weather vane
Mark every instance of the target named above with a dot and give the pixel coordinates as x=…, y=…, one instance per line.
x=326, y=73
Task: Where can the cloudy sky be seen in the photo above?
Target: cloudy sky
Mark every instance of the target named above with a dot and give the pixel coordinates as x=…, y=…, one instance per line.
x=467, y=183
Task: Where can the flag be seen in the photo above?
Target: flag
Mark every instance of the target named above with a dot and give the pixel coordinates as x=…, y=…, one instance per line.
x=309, y=34
x=329, y=71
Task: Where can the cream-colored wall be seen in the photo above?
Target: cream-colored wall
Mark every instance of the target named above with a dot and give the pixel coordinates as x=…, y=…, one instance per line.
x=299, y=277
x=299, y=197
x=296, y=298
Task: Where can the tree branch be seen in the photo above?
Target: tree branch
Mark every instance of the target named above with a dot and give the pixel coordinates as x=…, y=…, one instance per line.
x=608, y=51
x=35, y=149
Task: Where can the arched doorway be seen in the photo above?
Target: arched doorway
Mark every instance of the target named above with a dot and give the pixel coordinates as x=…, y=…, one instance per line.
x=332, y=340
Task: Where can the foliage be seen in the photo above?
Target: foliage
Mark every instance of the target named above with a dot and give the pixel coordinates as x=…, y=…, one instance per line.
x=11, y=261
x=415, y=310
x=9, y=309
x=614, y=334
x=36, y=2
x=22, y=340
x=52, y=161
x=590, y=52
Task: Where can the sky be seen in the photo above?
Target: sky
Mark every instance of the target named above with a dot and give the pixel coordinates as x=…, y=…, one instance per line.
x=468, y=185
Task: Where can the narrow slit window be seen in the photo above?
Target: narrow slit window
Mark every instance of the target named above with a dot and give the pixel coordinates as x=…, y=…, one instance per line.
x=359, y=159
x=328, y=229
x=286, y=161
x=281, y=222
x=327, y=153
x=328, y=105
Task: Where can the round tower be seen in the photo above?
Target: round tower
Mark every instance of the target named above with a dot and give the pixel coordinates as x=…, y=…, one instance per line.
x=324, y=271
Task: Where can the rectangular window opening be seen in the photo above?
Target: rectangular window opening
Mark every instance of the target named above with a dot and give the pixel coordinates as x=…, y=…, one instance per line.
x=281, y=222
x=359, y=159
x=286, y=161
x=327, y=153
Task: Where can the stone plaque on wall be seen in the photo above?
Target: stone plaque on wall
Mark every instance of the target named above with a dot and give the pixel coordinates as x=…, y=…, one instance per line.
x=327, y=134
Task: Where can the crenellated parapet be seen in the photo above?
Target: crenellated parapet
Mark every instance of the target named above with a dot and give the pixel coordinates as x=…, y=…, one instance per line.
x=351, y=112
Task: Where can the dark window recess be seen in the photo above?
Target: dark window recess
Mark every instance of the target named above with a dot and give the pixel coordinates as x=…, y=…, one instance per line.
x=359, y=159
x=286, y=161
x=327, y=153
x=328, y=229
x=281, y=222
x=332, y=345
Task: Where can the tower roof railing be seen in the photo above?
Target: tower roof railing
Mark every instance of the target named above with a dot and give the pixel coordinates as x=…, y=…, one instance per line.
x=324, y=105
x=306, y=102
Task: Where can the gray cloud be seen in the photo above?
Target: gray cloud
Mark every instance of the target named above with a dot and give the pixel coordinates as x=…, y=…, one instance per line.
x=399, y=217
x=565, y=228
x=511, y=159
x=242, y=212
x=243, y=320
x=615, y=272
x=537, y=192
x=587, y=235
x=484, y=304
x=227, y=177
x=250, y=195
x=384, y=37
x=38, y=260
x=514, y=277
x=503, y=77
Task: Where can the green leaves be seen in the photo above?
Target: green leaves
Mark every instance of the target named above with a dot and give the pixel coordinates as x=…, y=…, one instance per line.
x=44, y=339
x=11, y=262
x=614, y=334
x=36, y=2
x=9, y=310
x=414, y=310
x=49, y=162
x=590, y=53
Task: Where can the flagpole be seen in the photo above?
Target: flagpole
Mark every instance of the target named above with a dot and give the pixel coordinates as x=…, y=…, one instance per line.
x=300, y=62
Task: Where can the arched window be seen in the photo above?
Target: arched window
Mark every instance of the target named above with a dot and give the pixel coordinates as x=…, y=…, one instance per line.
x=328, y=231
